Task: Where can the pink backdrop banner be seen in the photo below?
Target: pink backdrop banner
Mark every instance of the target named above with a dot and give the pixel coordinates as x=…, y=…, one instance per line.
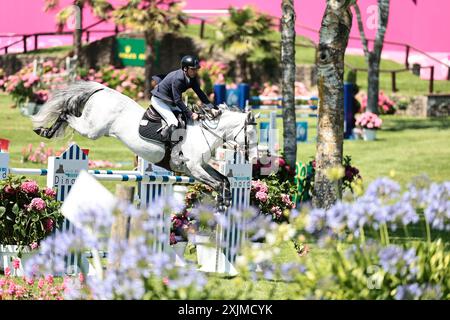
x=422, y=24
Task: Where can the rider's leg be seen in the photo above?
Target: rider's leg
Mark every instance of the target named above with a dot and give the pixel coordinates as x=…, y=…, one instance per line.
x=165, y=111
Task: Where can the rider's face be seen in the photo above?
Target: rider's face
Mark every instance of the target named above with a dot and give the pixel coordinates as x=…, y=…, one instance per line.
x=192, y=72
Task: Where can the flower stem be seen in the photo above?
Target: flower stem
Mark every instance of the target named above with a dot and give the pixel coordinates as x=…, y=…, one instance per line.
x=427, y=227
x=386, y=233
x=363, y=238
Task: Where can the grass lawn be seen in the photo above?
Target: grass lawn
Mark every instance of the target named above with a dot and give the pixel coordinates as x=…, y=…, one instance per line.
x=409, y=146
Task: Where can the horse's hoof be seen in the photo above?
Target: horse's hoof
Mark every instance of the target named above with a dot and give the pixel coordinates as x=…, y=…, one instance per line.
x=43, y=132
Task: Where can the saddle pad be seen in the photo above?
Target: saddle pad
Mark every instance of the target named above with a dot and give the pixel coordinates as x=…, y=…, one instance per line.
x=148, y=129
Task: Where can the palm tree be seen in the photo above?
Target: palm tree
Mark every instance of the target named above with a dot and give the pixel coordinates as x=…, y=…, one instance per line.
x=152, y=17
x=244, y=33
x=288, y=87
x=334, y=34
x=373, y=57
x=101, y=8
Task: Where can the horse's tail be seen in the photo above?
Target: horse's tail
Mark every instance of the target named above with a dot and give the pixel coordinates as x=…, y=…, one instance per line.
x=67, y=101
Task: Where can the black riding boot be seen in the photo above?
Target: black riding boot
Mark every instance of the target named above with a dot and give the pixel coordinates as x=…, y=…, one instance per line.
x=166, y=132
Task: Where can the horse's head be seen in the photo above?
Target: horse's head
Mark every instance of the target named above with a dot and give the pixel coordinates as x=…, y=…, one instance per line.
x=240, y=128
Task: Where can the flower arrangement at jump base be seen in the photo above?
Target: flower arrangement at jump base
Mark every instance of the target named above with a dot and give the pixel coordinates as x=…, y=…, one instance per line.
x=180, y=226
x=27, y=213
x=271, y=191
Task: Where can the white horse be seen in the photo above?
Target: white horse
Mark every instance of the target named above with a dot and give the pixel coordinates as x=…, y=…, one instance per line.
x=94, y=110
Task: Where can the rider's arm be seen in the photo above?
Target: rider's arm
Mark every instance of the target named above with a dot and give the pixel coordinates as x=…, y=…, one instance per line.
x=202, y=96
x=177, y=98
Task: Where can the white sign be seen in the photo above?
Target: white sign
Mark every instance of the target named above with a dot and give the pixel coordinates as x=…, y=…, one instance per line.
x=87, y=195
x=4, y=163
x=146, y=167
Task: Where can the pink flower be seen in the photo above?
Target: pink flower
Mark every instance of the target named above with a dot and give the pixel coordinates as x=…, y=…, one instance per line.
x=173, y=240
x=30, y=281
x=41, y=283
x=12, y=288
x=50, y=192
x=48, y=224
x=2, y=282
x=30, y=187
x=19, y=292
x=261, y=196
x=166, y=281
x=81, y=277
x=285, y=198
x=281, y=162
x=16, y=264
x=9, y=190
x=38, y=204
x=260, y=186
x=277, y=211
x=7, y=271
x=49, y=279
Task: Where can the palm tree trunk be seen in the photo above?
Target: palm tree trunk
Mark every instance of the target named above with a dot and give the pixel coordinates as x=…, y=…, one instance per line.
x=241, y=66
x=149, y=59
x=334, y=34
x=288, y=87
x=78, y=32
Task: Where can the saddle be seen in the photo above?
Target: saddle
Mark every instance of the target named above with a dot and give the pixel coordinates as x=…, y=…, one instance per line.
x=150, y=128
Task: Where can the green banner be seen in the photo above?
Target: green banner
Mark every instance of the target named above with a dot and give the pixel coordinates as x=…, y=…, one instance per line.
x=131, y=51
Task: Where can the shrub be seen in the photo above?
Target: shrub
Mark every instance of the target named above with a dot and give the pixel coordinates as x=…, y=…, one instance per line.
x=27, y=213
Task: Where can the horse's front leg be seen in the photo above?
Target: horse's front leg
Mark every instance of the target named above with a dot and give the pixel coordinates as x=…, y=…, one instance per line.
x=224, y=190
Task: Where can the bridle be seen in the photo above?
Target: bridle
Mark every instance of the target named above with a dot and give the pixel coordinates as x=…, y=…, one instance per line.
x=236, y=146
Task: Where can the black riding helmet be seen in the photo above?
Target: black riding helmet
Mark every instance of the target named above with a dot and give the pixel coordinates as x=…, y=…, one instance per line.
x=190, y=62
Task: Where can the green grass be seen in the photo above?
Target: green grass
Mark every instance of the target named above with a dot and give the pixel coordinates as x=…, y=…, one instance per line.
x=60, y=50
x=406, y=146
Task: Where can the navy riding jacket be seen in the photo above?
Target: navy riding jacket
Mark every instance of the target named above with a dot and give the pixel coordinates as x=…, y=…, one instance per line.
x=173, y=85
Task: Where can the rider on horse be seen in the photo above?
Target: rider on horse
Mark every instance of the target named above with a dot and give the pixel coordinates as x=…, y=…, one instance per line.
x=167, y=94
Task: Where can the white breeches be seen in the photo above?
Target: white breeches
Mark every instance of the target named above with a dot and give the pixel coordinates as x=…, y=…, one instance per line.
x=164, y=110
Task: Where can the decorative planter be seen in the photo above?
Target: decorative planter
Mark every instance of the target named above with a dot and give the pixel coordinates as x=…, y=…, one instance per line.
x=9, y=253
x=178, y=249
x=30, y=108
x=369, y=134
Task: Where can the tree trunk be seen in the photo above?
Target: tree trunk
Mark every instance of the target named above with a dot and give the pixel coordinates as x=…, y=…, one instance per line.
x=373, y=80
x=149, y=58
x=373, y=58
x=241, y=66
x=78, y=33
x=288, y=87
x=334, y=34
